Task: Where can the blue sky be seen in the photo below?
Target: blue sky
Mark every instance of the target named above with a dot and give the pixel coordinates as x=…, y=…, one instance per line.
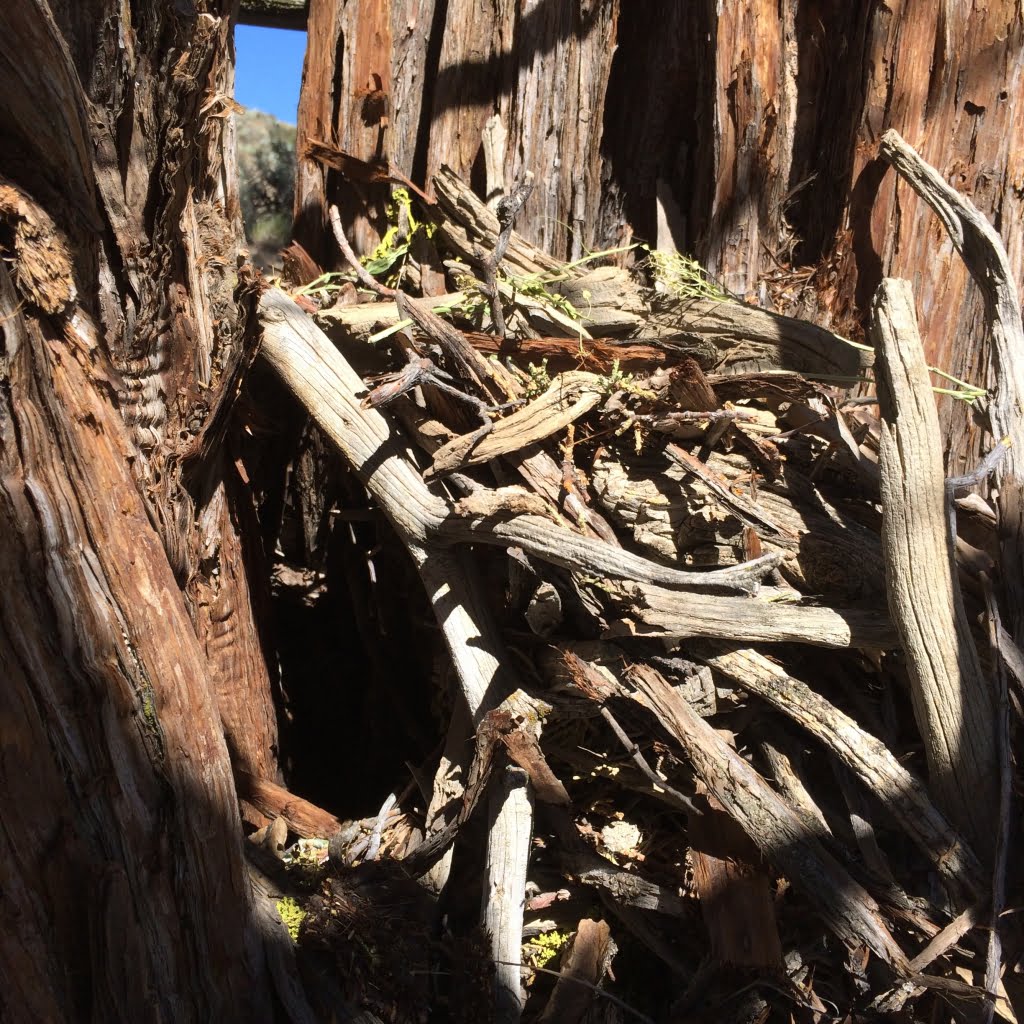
x=268, y=71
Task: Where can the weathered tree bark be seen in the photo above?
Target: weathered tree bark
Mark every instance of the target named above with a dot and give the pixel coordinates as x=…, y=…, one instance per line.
x=745, y=133
x=132, y=663
x=443, y=70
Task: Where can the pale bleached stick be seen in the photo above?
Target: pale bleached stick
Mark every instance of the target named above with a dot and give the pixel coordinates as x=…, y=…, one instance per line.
x=985, y=257
x=510, y=828
x=949, y=691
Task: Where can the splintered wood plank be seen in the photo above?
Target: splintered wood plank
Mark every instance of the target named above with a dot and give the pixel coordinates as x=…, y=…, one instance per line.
x=570, y=396
x=951, y=695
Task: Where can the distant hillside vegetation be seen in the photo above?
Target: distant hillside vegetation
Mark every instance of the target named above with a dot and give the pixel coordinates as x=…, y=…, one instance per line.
x=266, y=167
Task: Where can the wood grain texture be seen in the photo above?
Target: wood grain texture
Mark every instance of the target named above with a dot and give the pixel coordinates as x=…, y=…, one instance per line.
x=139, y=817
x=985, y=258
x=117, y=129
x=754, y=107
x=901, y=793
x=320, y=377
x=734, y=887
x=543, y=68
x=167, y=317
x=780, y=835
x=656, y=611
x=951, y=696
x=509, y=831
x=968, y=124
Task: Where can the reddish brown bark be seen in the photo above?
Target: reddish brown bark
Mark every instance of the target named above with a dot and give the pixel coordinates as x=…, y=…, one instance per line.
x=757, y=151
x=128, y=643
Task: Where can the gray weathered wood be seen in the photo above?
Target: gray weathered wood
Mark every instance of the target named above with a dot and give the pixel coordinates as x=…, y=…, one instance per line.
x=904, y=796
x=655, y=611
x=779, y=833
x=982, y=251
x=510, y=828
x=320, y=377
x=951, y=696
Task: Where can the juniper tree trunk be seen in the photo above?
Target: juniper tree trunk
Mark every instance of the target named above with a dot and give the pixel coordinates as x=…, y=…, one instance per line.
x=133, y=670
x=744, y=133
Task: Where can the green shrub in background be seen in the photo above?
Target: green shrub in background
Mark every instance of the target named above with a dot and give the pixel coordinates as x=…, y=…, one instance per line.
x=266, y=170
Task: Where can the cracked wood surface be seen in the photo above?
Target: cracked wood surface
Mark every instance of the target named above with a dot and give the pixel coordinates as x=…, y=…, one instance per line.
x=951, y=695
x=985, y=258
x=671, y=514
x=110, y=694
x=129, y=641
x=654, y=611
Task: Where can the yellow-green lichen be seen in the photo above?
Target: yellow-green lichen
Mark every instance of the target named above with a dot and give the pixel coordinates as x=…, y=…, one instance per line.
x=543, y=948
x=616, y=380
x=148, y=711
x=540, y=380
x=292, y=915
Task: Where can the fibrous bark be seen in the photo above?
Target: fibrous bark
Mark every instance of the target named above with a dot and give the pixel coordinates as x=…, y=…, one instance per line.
x=133, y=665
x=757, y=153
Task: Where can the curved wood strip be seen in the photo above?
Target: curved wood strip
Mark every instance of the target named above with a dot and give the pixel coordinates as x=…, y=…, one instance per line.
x=320, y=377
